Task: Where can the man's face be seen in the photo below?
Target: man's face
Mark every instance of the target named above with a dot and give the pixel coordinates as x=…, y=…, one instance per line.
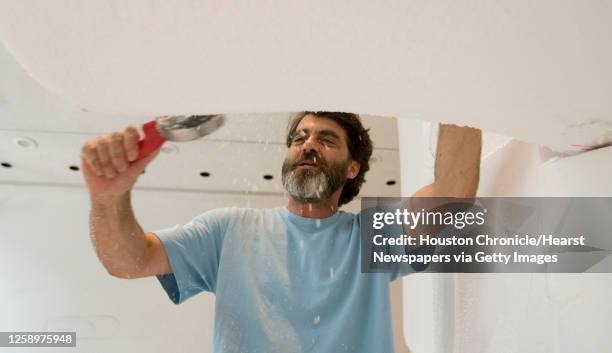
x=318, y=160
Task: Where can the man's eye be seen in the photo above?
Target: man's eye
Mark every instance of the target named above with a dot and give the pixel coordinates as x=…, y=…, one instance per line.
x=328, y=142
x=298, y=139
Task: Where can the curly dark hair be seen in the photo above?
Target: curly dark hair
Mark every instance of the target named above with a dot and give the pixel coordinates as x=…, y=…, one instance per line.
x=359, y=145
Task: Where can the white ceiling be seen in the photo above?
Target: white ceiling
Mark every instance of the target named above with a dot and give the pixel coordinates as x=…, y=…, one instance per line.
x=237, y=156
x=537, y=71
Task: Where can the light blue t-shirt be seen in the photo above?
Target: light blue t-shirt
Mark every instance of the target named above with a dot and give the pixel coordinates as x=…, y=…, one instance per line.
x=283, y=283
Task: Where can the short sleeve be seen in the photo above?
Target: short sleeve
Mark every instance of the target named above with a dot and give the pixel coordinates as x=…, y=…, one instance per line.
x=194, y=251
x=401, y=271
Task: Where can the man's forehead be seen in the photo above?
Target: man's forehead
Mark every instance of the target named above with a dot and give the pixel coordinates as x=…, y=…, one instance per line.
x=317, y=124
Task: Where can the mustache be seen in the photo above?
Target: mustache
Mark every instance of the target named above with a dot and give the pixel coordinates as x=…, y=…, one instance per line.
x=310, y=157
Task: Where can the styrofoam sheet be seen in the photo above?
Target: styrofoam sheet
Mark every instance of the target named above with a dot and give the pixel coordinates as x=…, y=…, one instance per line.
x=538, y=71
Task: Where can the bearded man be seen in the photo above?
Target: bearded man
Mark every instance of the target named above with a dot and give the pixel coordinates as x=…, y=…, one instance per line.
x=286, y=279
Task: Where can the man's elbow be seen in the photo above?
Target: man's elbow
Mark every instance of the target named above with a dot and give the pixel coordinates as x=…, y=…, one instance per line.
x=461, y=186
x=114, y=273
x=118, y=273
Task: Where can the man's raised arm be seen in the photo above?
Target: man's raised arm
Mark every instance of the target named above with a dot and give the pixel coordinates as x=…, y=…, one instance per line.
x=457, y=172
x=457, y=168
x=111, y=167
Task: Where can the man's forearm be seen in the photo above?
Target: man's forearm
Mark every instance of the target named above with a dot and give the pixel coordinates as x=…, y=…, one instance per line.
x=117, y=237
x=457, y=167
x=457, y=173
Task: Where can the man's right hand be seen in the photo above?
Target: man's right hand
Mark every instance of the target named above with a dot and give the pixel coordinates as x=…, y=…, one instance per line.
x=109, y=162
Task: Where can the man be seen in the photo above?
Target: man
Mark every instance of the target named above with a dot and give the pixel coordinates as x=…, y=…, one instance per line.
x=286, y=279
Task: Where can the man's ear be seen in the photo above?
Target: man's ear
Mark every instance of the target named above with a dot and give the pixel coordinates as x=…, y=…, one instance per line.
x=353, y=169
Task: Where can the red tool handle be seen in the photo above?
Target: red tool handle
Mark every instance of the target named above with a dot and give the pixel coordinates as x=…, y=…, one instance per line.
x=151, y=141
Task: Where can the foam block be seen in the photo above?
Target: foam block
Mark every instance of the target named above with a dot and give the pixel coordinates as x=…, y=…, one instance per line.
x=537, y=71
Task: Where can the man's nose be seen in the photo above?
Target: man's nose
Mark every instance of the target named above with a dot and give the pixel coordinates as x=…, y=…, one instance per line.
x=311, y=144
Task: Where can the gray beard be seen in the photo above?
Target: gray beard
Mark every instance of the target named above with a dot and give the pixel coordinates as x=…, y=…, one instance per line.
x=313, y=185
